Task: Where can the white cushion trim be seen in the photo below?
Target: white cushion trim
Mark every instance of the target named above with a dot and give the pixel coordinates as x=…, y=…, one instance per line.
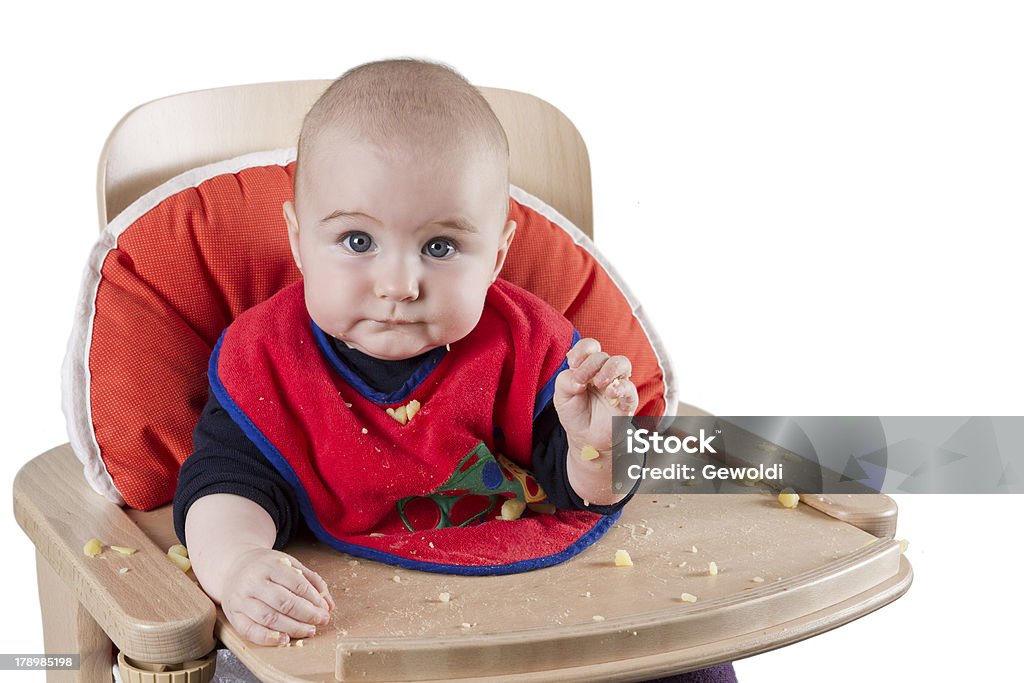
x=582, y=240
x=75, y=398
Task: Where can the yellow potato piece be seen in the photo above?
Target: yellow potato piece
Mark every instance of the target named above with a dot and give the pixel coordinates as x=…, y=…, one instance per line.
x=512, y=509
x=181, y=562
x=688, y=597
x=399, y=414
x=178, y=549
x=412, y=408
x=789, y=500
x=93, y=547
x=622, y=559
x=123, y=550
x=712, y=569
x=589, y=453
x=542, y=508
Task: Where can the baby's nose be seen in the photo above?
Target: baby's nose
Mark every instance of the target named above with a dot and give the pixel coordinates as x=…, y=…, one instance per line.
x=397, y=281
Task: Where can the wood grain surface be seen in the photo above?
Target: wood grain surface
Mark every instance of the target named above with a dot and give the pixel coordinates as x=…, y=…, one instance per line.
x=817, y=572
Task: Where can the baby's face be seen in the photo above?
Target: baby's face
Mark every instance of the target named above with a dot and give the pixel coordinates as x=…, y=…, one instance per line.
x=397, y=248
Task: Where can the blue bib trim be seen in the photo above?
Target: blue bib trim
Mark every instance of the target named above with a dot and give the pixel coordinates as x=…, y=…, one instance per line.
x=369, y=393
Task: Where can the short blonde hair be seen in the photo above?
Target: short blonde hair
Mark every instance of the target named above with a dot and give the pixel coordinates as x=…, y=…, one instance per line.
x=404, y=102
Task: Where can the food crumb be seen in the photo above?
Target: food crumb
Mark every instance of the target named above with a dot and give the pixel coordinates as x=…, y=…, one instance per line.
x=693, y=548
x=298, y=643
x=444, y=597
x=758, y=579
x=123, y=570
x=364, y=430
x=92, y=547
x=123, y=550
x=396, y=578
x=512, y=509
x=688, y=597
x=597, y=617
x=622, y=559
x=904, y=544
x=431, y=544
x=589, y=453
x=182, y=563
x=788, y=499
x=712, y=569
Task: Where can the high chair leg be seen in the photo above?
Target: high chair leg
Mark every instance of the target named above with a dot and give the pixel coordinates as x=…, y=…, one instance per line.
x=69, y=629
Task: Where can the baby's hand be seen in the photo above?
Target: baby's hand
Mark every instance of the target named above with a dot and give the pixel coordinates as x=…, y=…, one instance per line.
x=271, y=596
x=595, y=388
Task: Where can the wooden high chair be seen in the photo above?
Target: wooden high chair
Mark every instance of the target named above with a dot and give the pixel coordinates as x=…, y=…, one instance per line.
x=784, y=575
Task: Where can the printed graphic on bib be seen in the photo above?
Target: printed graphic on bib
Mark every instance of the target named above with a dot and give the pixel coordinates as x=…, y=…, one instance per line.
x=478, y=486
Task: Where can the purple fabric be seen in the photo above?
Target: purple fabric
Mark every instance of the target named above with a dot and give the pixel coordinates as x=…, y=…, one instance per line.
x=723, y=673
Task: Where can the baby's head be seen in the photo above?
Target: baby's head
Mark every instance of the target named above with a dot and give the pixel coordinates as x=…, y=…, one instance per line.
x=400, y=219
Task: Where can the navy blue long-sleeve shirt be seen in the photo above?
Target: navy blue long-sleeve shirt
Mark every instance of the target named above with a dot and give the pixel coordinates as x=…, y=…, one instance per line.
x=225, y=460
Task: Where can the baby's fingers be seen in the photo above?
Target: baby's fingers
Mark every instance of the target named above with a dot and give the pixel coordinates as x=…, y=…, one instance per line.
x=319, y=585
x=268, y=611
x=299, y=579
x=621, y=395
x=614, y=368
x=581, y=350
x=588, y=369
x=256, y=633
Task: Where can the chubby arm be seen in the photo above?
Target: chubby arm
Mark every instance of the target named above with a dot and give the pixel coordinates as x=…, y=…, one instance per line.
x=265, y=594
x=595, y=388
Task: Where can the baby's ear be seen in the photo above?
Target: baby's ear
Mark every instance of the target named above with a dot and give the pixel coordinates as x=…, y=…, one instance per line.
x=504, y=242
x=292, y=221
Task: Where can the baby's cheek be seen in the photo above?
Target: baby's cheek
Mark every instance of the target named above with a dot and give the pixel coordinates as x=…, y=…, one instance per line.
x=462, y=312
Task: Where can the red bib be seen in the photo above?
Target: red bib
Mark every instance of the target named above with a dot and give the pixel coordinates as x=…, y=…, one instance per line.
x=426, y=494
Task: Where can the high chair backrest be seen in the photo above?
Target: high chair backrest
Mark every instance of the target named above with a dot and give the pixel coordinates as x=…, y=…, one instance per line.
x=160, y=139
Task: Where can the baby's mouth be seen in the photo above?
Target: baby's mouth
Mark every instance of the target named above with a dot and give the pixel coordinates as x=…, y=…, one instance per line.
x=394, y=321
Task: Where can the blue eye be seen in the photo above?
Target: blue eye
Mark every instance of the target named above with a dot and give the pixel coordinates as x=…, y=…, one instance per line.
x=439, y=247
x=358, y=242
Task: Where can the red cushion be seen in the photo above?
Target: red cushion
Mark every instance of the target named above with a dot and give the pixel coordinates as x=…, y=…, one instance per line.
x=185, y=268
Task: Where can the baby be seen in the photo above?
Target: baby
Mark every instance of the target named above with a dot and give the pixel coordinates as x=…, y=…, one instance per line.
x=400, y=228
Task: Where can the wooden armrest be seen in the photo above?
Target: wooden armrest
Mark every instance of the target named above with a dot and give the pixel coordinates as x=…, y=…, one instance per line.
x=153, y=612
x=874, y=513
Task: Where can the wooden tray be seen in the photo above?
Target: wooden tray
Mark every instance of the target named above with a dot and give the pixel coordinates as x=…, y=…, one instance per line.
x=586, y=619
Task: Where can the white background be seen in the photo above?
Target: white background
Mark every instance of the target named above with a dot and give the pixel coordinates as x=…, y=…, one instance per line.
x=821, y=208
